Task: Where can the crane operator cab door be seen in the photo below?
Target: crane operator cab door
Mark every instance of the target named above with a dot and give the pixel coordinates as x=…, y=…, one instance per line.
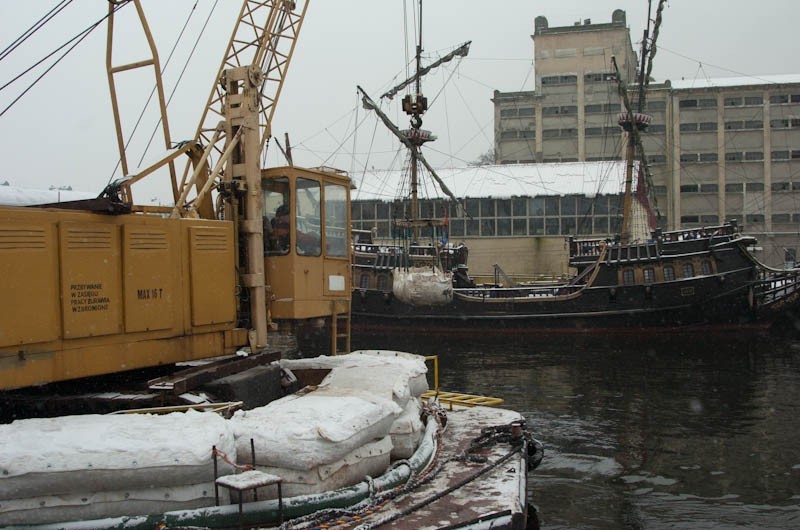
x=306, y=247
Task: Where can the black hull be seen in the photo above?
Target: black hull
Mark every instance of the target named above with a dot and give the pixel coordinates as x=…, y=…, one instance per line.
x=593, y=311
x=740, y=294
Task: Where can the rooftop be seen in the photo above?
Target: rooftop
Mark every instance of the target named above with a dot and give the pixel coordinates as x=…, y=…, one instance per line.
x=723, y=82
x=569, y=178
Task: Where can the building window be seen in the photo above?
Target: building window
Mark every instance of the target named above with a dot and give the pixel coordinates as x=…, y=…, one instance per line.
x=709, y=157
x=656, y=105
x=706, y=267
x=688, y=270
x=527, y=112
x=781, y=186
x=753, y=124
x=781, y=218
x=519, y=206
x=754, y=218
x=688, y=127
x=709, y=188
x=593, y=131
x=734, y=125
x=690, y=218
x=709, y=219
x=508, y=113
x=687, y=104
x=707, y=103
x=487, y=208
x=536, y=226
x=649, y=275
x=551, y=206
x=753, y=100
x=669, y=273
x=600, y=225
x=503, y=207
x=779, y=99
x=657, y=128
x=733, y=102
x=734, y=156
x=734, y=188
x=754, y=155
x=552, y=226
x=688, y=158
x=363, y=281
x=689, y=188
x=504, y=227
x=593, y=109
x=754, y=186
x=708, y=126
x=597, y=78
x=508, y=135
x=456, y=228
x=780, y=155
x=519, y=227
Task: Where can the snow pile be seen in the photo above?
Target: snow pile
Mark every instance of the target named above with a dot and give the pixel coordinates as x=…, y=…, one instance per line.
x=109, y=464
x=333, y=435
x=344, y=429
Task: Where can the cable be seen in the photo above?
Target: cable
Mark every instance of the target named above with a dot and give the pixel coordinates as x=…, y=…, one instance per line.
x=33, y=29
x=85, y=33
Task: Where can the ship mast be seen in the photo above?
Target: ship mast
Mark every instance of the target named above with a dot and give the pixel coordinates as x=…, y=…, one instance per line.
x=415, y=106
x=634, y=123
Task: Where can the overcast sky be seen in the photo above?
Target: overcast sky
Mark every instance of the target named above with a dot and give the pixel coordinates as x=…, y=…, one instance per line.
x=61, y=132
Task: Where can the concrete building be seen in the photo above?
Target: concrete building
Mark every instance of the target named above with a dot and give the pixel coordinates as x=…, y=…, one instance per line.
x=719, y=149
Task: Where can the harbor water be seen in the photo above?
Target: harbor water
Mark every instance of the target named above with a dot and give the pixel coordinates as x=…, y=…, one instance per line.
x=648, y=433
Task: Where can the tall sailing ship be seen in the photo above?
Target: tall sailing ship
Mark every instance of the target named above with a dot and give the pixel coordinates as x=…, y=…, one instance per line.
x=643, y=279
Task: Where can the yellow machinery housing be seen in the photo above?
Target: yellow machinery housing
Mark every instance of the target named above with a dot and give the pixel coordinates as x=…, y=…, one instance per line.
x=87, y=294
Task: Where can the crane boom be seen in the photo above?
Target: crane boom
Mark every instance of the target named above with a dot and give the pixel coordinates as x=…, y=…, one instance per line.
x=264, y=37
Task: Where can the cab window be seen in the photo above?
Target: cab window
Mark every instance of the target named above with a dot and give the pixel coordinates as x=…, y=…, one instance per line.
x=276, y=219
x=307, y=217
x=335, y=220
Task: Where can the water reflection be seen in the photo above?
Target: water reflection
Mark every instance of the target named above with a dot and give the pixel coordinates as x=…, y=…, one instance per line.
x=678, y=432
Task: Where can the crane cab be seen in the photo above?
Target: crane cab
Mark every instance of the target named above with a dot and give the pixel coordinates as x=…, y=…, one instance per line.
x=306, y=215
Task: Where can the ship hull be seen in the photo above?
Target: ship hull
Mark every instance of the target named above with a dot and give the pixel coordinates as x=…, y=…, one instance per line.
x=716, y=285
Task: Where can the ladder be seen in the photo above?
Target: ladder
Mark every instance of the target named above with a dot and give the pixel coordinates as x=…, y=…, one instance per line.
x=340, y=327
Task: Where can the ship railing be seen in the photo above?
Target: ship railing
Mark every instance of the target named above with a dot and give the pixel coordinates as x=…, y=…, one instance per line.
x=518, y=292
x=773, y=286
x=687, y=234
x=586, y=247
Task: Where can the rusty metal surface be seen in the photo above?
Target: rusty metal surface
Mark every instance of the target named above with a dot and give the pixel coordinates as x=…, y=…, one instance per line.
x=499, y=493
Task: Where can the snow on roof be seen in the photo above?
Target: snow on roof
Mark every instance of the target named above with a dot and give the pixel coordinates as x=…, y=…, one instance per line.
x=16, y=196
x=721, y=82
x=567, y=178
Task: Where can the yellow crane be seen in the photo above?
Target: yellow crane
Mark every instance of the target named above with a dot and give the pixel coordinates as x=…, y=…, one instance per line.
x=108, y=285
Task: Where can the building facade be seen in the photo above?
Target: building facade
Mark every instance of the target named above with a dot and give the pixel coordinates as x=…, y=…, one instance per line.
x=718, y=149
